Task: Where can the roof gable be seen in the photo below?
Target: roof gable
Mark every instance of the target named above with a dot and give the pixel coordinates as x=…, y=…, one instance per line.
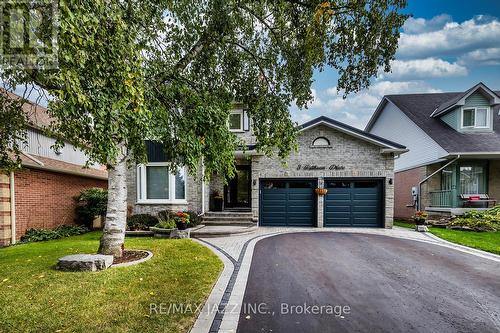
x=419, y=107
x=460, y=99
x=374, y=139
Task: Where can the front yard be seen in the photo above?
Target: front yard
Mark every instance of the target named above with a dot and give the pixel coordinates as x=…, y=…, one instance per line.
x=36, y=298
x=486, y=241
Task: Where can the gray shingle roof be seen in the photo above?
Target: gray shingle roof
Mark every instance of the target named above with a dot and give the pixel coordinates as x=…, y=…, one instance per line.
x=419, y=107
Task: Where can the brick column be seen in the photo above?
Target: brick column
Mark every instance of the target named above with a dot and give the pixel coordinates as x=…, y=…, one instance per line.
x=321, y=202
x=5, y=217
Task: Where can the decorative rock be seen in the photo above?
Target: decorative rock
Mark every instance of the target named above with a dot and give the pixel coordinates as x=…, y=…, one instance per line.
x=421, y=228
x=84, y=262
x=178, y=234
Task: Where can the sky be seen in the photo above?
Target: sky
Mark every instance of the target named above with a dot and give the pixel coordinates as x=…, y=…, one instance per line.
x=445, y=46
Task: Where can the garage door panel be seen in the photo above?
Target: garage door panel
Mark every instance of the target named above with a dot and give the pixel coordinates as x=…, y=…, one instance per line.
x=292, y=204
x=353, y=203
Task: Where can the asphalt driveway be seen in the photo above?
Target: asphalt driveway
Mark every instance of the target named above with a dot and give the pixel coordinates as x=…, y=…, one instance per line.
x=348, y=282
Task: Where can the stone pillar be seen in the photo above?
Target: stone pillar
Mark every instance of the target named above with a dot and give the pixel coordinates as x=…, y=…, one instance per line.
x=320, y=203
x=5, y=213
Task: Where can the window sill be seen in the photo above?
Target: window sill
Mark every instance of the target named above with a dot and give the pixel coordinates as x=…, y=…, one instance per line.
x=237, y=131
x=162, y=202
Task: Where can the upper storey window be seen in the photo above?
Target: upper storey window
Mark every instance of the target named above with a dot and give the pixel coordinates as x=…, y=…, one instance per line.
x=235, y=121
x=476, y=117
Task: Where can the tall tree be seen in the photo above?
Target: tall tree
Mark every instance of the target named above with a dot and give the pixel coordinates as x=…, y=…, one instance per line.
x=170, y=70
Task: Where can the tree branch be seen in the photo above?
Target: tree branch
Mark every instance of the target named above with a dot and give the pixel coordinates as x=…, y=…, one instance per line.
x=256, y=60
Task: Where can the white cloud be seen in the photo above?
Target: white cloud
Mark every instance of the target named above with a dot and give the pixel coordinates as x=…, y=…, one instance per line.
x=490, y=56
x=453, y=38
x=357, y=109
x=420, y=25
x=424, y=68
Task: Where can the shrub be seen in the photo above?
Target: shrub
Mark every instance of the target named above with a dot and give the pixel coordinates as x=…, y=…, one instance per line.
x=165, y=215
x=479, y=221
x=194, y=219
x=141, y=222
x=169, y=224
x=91, y=202
x=38, y=235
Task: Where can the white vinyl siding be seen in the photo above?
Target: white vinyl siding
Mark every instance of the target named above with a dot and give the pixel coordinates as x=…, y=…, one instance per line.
x=40, y=145
x=422, y=148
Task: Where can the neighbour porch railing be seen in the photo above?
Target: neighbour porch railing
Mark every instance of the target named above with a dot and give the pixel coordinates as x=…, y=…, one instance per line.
x=442, y=198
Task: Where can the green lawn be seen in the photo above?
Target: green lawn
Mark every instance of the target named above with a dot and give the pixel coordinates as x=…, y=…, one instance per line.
x=36, y=298
x=486, y=241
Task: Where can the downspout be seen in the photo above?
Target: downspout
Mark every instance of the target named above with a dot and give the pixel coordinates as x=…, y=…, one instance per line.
x=202, y=187
x=12, y=210
x=419, y=203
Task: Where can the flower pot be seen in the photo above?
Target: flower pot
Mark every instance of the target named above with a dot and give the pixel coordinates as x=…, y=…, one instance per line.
x=419, y=221
x=321, y=191
x=181, y=226
x=218, y=204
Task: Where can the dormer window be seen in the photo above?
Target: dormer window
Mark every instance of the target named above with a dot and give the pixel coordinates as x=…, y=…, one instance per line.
x=476, y=117
x=235, y=122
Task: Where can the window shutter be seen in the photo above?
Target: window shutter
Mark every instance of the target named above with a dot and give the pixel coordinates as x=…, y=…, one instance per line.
x=246, y=121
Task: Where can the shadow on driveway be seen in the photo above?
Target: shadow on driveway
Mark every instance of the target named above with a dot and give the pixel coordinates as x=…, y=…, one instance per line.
x=367, y=283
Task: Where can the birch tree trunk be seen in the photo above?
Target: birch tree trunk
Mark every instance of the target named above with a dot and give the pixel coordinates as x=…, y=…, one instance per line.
x=113, y=236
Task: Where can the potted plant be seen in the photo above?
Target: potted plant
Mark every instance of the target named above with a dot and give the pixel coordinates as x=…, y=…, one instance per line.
x=321, y=191
x=164, y=228
x=420, y=217
x=182, y=220
x=218, y=202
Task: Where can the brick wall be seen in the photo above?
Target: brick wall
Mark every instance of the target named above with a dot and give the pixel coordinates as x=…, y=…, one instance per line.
x=5, y=217
x=360, y=159
x=494, y=180
x=45, y=199
x=403, y=182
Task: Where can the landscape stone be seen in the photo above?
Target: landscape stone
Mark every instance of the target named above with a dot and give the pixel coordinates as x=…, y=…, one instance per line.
x=178, y=234
x=84, y=262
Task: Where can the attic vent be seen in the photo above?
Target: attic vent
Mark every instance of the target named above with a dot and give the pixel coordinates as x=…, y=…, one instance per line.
x=321, y=142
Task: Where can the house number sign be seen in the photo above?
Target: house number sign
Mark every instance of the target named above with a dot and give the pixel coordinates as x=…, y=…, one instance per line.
x=309, y=167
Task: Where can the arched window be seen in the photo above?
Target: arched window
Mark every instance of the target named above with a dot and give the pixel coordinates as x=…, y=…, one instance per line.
x=321, y=142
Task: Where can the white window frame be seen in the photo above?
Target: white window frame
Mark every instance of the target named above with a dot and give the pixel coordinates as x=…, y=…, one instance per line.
x=488, y=117
x=241, y=129
x=142, y=190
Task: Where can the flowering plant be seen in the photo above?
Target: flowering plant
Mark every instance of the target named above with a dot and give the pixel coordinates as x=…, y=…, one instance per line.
x=181, y=219
x=420, y=216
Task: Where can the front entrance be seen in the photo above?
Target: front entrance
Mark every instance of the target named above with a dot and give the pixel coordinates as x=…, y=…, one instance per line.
x=237, y=191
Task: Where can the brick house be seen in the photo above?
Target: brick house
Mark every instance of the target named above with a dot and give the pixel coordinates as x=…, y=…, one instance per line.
x=356, y=168
x=453, y=163
x=40, y=194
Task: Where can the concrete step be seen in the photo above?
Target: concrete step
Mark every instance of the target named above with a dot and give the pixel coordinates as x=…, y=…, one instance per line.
x=229, y=222
x=229, y=213
x=222, y=231
x=227, y=218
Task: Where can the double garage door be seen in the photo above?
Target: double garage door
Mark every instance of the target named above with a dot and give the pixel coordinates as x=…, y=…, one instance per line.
x=292, y=202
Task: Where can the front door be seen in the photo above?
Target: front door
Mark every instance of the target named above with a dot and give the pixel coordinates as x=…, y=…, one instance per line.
x=237, y=191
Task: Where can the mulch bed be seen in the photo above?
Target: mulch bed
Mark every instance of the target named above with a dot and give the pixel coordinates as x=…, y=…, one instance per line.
x=130, y=255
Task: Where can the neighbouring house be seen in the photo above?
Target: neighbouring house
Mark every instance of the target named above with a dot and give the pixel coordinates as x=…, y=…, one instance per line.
x=453, y=163
x=355, y=167
x=40, y=194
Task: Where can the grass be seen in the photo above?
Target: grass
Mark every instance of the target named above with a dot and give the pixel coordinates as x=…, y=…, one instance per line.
x=36, y=298
x=486, y=241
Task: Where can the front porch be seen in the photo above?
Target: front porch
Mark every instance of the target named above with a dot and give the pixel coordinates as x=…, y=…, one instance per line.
x=463, y=186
